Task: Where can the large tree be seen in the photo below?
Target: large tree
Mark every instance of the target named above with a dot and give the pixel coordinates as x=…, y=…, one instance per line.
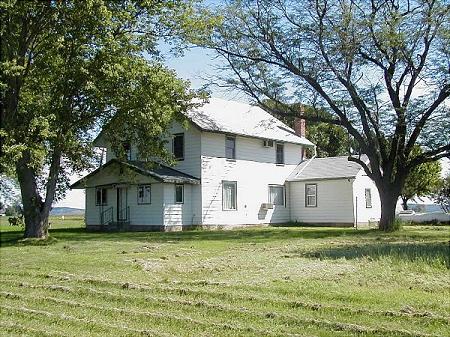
x=69, y=67
x=380, y=67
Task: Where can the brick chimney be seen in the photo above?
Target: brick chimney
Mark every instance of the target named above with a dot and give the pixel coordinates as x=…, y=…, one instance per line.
x=300, y=124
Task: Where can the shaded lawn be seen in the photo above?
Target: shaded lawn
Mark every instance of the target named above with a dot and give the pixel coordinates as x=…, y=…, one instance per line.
x=248, y=282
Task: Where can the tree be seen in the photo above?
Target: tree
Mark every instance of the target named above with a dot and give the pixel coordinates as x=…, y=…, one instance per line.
x=379, y=67
x=70, y=67
x=443, y=194
x=421, y=181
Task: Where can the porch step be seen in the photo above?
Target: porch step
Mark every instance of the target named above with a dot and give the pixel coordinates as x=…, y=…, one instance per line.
x=116, y=226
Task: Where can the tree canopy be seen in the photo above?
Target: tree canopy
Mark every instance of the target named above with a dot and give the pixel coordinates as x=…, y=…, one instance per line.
x=422, y=180
x=71, y=67
x=379, y=67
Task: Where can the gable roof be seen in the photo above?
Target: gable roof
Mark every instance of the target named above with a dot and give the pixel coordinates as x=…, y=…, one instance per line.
x=326, y=168
x=242, y=119
x=237, y=118
x=160, y=173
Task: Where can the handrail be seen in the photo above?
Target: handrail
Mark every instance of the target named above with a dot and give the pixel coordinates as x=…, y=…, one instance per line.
x=126, y=211
x=106, y=216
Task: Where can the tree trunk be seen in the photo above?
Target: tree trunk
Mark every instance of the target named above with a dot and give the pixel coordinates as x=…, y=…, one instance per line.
x=388, y=200
x=405, y=203
x=36, y=221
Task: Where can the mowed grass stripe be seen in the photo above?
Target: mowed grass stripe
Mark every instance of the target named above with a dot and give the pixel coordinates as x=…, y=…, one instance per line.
x=95, y=326
x=10, y=326
x=200, y=297
x=427, y=319
x=130, y=319
x=274, y=318
x=245, y=291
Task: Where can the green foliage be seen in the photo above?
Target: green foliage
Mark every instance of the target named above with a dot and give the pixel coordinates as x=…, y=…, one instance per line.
x=443, y=194
x=422, y=180
x=380, y=68
x=69, y=68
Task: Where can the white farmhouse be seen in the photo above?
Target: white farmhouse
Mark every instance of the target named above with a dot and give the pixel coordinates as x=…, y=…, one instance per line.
x=236, y=165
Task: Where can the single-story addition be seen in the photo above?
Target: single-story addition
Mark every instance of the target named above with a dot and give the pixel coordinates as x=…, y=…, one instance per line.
x=236, y=165
x=333, y=191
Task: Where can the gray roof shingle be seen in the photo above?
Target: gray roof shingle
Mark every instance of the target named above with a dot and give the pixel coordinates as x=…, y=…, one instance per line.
x=159, y=172
x=325, y=168
x=243, y=119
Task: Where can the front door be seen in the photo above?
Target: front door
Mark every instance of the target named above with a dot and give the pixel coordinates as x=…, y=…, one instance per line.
x=122, y=209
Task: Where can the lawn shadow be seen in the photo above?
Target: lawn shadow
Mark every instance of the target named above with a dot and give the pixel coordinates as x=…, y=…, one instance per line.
x=252, y=234
x=410, y=251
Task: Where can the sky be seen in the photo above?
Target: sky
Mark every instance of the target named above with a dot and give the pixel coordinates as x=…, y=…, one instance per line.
x=196, y=66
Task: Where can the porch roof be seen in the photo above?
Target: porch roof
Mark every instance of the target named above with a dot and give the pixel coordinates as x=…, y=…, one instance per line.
x=157, y=171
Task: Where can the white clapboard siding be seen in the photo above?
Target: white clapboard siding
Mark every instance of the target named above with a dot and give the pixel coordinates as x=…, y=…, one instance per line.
x=146, y=214
x=249, y=149
x=192, y=143
x=334, y=202
x=364, y=214
x=176, y=213
x=254, y=170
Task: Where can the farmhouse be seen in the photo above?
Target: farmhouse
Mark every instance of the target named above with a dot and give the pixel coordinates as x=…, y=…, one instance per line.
x=236, y=165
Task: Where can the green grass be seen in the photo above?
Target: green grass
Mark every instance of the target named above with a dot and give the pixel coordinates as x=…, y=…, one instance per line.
x=254, y=282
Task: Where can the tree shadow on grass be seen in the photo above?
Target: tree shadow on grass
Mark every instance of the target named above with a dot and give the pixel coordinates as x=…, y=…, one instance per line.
x=410, y=251
x=250, y=235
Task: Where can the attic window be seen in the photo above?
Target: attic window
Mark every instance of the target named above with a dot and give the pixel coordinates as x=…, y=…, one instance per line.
x=178, y=146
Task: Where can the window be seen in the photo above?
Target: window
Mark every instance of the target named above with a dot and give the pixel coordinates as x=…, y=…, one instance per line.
x=276, y=195
x=100, y=196
x=229, y=195
x=127, y=150
x=144, y=195
x=311, y=195
x=178, y=146
x=230, y=147
x=280, y=154
x=368, y=194
x=179, y=194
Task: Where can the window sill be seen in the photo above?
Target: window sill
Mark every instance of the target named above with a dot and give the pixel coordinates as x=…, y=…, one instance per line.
x=231, y=159
x=279, y=164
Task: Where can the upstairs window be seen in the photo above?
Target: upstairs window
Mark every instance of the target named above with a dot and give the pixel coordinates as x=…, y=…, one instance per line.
x=229, y=194
x=100, y=197
x=230, y=147
x=368, y=194
x=280, y=154
x=179, y=194
x=144, y=194
x=127, y=150
x=178, y=146
x=311, y=195
x=276, y=195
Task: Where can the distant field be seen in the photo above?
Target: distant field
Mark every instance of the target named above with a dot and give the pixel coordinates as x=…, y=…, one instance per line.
x=254, y=282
